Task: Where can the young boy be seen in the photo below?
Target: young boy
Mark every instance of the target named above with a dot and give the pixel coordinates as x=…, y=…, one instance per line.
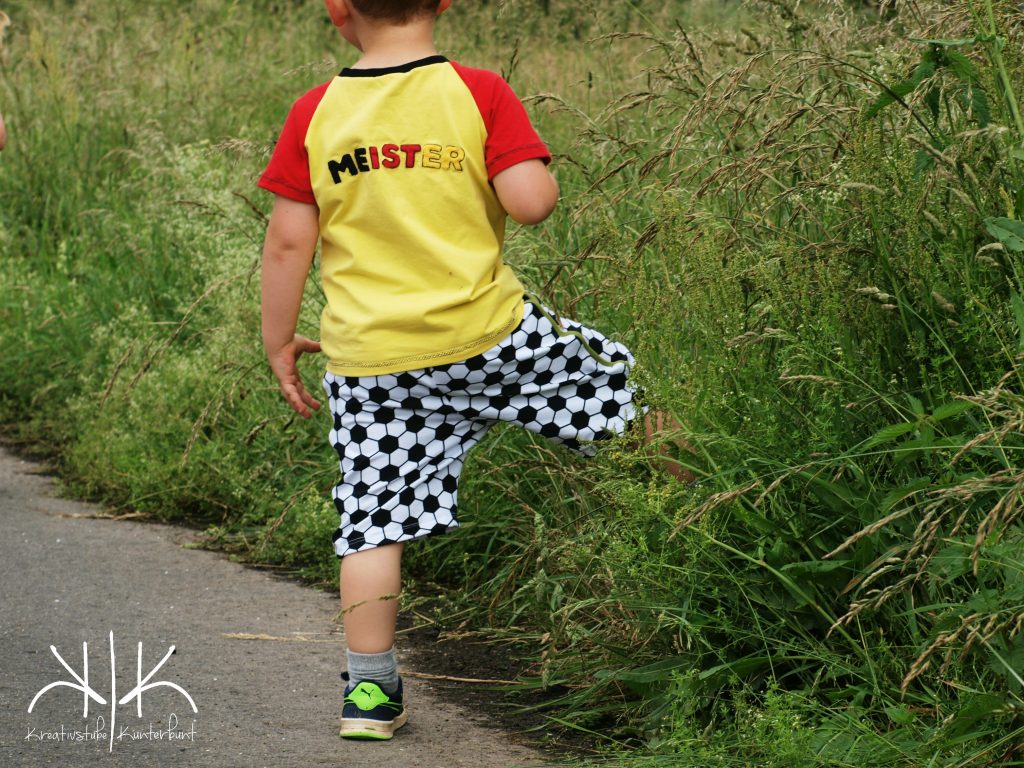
x=405, y=166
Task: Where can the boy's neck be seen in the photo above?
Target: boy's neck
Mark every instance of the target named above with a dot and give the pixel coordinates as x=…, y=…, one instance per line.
x=387, y=45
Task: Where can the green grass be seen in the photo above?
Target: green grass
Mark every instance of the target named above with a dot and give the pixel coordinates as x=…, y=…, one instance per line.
x=804, y=220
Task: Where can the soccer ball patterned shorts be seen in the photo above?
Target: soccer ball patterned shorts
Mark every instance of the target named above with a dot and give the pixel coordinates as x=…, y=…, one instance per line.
x=402, y=437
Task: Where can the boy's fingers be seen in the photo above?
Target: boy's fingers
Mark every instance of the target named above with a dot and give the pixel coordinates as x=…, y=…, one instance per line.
x=297, y=405
x=298, y=398
x=309, y=400
x=283, y=365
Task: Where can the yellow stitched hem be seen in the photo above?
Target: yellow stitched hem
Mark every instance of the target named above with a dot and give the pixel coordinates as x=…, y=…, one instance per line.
x=412, y=362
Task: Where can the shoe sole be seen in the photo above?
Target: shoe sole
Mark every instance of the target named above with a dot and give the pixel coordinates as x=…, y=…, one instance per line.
x=371, y=729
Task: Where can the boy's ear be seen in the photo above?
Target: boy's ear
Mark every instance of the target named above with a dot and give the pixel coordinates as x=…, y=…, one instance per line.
x=443, y=6
x=338, y=11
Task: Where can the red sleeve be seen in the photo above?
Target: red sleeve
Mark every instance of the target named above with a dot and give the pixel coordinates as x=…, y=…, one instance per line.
x=287, y=173
x=511, y=139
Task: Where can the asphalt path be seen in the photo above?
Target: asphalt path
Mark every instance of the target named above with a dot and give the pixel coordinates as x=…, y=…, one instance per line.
x=257, y=655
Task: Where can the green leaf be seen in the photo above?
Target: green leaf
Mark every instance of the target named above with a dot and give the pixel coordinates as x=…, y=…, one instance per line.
x=931, y=100
x=973, y=99
x=948, y=410
x=912, y=449
x=900, y=715
x=923, y=161
x=945, y=43
x=951, y=562
x=1008, y=660
x=836, y=496
x=986, y=601
x=978, y=707
x=890, y=433
x=962, y=66
x=916, y=406
x=738, y=668
x=901, y=494
x=816, y=566
x=779, y=554
x=896, y=92
x=1017, y=152
x=1018, y=312
x=1009, y=232
x=979, y=106
x=659, y=671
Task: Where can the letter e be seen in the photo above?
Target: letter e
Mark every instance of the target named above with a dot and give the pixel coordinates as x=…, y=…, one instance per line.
x=431, y=156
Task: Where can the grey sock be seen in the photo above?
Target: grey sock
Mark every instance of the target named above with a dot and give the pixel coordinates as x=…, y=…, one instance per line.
x=381, y=668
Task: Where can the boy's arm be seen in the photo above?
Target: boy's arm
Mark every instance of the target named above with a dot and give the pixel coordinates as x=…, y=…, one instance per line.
x=527, y=191
x=287, y=255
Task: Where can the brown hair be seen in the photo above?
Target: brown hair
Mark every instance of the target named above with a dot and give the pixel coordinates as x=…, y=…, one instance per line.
x=396, y=11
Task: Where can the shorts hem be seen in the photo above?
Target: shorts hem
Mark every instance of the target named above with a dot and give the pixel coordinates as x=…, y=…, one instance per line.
x=366, y=546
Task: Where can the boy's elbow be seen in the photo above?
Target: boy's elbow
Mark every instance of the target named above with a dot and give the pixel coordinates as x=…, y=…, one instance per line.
x=292, y=231
x=532, y=213
x=536, y=206
x=527, y=191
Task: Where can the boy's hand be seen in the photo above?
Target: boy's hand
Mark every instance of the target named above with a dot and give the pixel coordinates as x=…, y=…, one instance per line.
x=283, y=362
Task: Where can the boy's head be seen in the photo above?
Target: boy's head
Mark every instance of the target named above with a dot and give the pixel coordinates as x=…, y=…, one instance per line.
x=396, y=11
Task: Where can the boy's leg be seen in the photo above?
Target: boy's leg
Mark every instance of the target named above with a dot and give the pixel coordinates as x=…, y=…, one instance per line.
x=400, y=446
x=370, y=583
x=657, y=423
x=567, y=392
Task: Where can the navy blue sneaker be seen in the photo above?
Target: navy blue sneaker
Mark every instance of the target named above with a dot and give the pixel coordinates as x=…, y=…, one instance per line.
x=369, y=712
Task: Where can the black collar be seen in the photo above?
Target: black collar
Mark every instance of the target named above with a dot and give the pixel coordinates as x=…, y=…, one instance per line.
x=407, y=67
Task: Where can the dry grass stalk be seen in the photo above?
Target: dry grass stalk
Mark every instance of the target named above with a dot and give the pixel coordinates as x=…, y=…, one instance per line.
x=872, y=529
x=974, y=629
x=297, y=638
x=715, y=501
x=945, y=304
x=990, y=503
x=787, y=376
x=752, y=337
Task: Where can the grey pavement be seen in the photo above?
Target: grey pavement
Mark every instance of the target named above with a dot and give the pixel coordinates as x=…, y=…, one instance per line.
x=68, y=577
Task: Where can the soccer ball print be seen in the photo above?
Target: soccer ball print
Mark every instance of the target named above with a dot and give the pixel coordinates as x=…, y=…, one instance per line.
x=402, y=438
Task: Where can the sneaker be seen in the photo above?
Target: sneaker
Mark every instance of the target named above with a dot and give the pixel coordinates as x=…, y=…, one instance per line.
x=369, y=712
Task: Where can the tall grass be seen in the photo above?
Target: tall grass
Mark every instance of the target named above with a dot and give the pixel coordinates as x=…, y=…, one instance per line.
x=806, y=221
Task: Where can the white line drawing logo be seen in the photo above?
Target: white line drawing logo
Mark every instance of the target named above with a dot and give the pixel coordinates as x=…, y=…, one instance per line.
x=88, y=692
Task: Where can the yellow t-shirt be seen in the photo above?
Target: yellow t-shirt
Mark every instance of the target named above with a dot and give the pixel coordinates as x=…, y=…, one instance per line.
x=398, y=162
